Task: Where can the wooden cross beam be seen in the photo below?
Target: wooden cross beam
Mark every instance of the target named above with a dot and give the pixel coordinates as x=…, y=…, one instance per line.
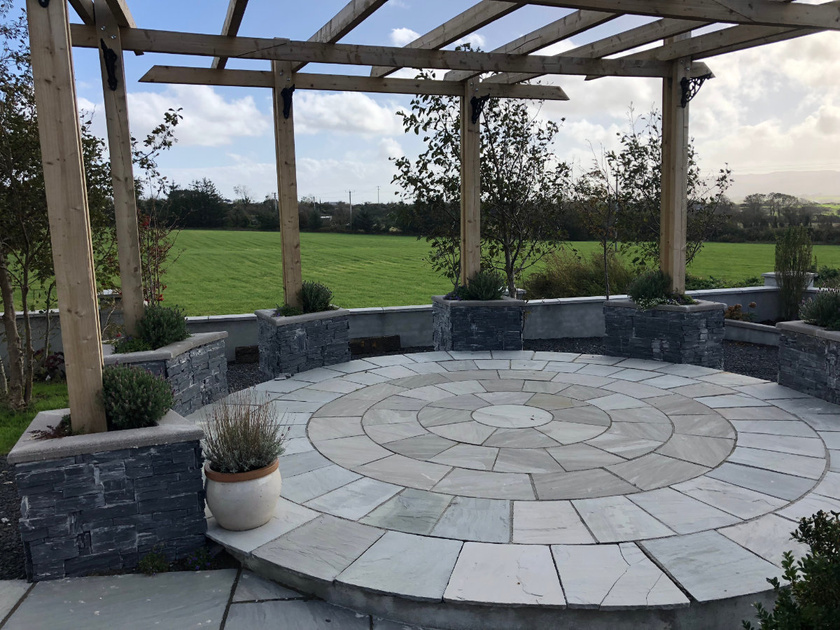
x=84, y=9
x=233, y=20
x=122, y=15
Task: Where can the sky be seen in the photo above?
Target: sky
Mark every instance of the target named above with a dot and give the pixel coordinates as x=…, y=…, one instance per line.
x=772, y=108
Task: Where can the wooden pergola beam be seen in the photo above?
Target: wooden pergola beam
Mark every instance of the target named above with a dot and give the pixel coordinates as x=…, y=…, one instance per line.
x=233, y=20
x=147, y=40
x=342, y=83
x=121, y=13
x=755, y=12
x=463, y=24
x=470, y=148
x=84, y=9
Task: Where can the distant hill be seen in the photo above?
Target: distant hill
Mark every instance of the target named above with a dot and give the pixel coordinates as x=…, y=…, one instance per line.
x=819, y=186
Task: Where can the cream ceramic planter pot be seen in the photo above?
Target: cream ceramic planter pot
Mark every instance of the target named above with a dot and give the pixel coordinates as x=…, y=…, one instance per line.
x=243, y=501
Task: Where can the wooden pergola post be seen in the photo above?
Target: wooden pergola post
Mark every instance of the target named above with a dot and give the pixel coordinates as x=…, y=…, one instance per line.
x=66, y=192
x=122, y=174
x=284, y=137
x=674, y=206
x=470, y=186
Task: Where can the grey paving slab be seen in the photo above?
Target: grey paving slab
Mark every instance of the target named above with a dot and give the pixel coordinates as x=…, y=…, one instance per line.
x=829, y=486
x=687, y=370
x=728, y=379
x=297, y=445
x=526, y=460
x=585, y=414
x=711, y=425
x=505, y=574
x=344, y=407
x=522, y=355
x=599, y=370
x=680, y=512
x=798, y=465
x=548, y=522
x=809, y=505
x=647, y=415
x=482, y=520
x=808, y=405
x=770, y=391
x=415, y=567
x=544, y=387
x=768, y=537
x=352, y=451
x=764, y=481
x=302, y=488
x=379, y=416
x=595, y=482
x=731, y=400
x=821, y=421
x=585, y=392
x=430, y=393
x=835, y=460
x=358, y=365
x=135, y=602
x=533, y=375
x=413, y=511
x=422, y=446
x=436, y=416
x=10, y=593
x=393, y=359
x=252, y=588
x=564, y=367
x=655, y=471
x=406, y=471
x=401, y=402
x=669, y=381
x=636, y=390
x=618, y=443
x=322, y=548
x=571, y=432
x=365, y=378
x=385, y=433
x=582, y=456
x=710, y=566
x=427, y=368
x=513, y=416
x=756, y=413
x=505, y=398
x=421, y=380
x=394, y=371
x=617, y=401
x=492, y=364
x=831, y=439
x=613, y=576
x=470, y=432
x=703, y=450
x=355, y=499
x=639, y=364
x=675, y=405
x=728, y=497
x=463, y=387
x=520, y=438
x=777, y=427
x=486, y=485
x=556, y=356
x=460, y=365
x=587, y=380
x=294, y=615
x=288, y=515
x=600, y=359
x=631, y=374
x=468, y=402
x=527, y=364
x=506, y=385
x=299, y=463
x=617, y=519
x=812, y=447
x=428, y=357
x=702, y=389
x=468, y=456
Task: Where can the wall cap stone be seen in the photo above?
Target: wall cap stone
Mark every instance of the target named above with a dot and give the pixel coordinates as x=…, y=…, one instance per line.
x=764, y=328
x=702, y=305
x=502, y=303
x=802, y=328
x=170, y=429
x=267, y=315
x=166, y=352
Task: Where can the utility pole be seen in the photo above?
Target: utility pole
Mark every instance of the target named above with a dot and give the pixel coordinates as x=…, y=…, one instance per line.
x=377, y=195
x=350, y=192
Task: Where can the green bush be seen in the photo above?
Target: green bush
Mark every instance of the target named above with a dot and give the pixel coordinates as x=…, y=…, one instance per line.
x=569, y=275
x=650, y=289
x=134, y=398
x=287, y=311
x=793, y=262
x=159, y=326
x=487, y=284
x=812, y=602
x=828, y=277
x=823, y=310
x=154, y=562
x=131, y=344
x=314, y=297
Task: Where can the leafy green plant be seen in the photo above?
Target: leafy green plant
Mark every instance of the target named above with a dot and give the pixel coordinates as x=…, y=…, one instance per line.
x=243, y=433
x=568, y=274
x=484, y=285
x=287, y=311
x=314, y=297
x=793, y=263
x=823, y=310
x=154, y=562
x=650, y=289
x=131, y=344
x=134, y=398
x=813, y=599
x=162, y=325
x=828, y=277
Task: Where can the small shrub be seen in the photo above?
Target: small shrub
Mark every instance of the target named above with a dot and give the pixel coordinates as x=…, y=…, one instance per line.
x=696, y=283
x=199, y=560
x=314, y=297
x=243, y=434
x=569, y=275
x=162, y=325
x=793, y=263
x=736, y=313
x=828, y=277
x=813, y=599
x=134, y=398
x=654, y=288
x=484, y=285
x=287, y=311
x=154, y=562
x=131, y=344
x=823, y=310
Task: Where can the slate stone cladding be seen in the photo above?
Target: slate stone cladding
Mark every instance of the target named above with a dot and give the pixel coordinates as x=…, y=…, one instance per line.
x=673, y=336
x=809, y=364
x=104, y=511
x=299, y=345
x=473, y=325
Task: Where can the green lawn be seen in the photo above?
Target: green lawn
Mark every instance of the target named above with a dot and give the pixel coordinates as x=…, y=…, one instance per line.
x=45, y=396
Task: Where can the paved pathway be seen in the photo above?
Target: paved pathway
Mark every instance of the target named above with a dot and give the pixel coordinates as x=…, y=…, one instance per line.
x=541, y=480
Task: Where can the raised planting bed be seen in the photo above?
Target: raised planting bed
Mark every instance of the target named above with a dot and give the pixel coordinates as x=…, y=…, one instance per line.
x=751, y=332
x=196, y=368
x=471, y=325
x=691, y=333
x=289, y=345
x=99, y=502
x=808, y=359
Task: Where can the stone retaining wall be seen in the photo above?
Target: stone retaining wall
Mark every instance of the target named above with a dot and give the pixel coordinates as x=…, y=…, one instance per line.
x=469, y=325
x=809, y=360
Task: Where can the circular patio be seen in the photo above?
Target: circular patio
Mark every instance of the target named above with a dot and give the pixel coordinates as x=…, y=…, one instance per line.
x=506, y=489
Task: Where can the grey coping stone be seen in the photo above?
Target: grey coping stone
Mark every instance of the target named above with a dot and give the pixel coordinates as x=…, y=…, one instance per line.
x=520, y=438
x=699, y=449
x=768, y=537
x=482, y=520
x=183, y=600
x=253, y=588
x=10, y=593
x=355, y=499
x=711, y=425
x=294, y=615
x=385, y=433
x=764, y=481
x=486, y=485
x=470, y=432
x=167, y=352
x=412, y=511
x=655, y=471
x=736, y=500
x=414, y=567
x=548, y=522
x=287, y=516
x=809, y=505
x=353, y=451
x=405, y=471
x=777, y=428
x=571, y=432
x=613, y=576
x=580, y=484
x=810, y=467
x=300, y=463
x=680, y=512
x=617, y=519
x=812, y=447
x=582, y=456
x=302, y=488
x=468, y=456
x=321, y=548
x=505, y=574
x=526, y=460
x=710, y=566
x=332, y=428
x=422, y=446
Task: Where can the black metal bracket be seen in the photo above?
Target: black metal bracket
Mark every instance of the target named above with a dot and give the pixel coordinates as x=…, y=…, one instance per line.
x=690, y=87
x=286, y=94
x=44, y=3
x=110, y=64
x=477, y=106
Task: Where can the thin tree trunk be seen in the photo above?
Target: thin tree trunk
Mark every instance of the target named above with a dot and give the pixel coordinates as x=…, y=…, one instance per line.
x=13, y=342
x=28, y=352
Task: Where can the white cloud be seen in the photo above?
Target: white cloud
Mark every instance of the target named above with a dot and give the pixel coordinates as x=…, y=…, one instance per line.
x=345, y=112
x=403, y=36
x=474, y=40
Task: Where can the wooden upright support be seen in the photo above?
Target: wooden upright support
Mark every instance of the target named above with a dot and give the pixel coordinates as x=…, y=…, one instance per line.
x=674, y=207
x=470, y=186
x=66, y=192
x=122, y=174
x=284, y=137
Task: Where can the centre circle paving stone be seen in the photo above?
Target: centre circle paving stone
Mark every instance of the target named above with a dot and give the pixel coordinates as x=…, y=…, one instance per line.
x=542, y=481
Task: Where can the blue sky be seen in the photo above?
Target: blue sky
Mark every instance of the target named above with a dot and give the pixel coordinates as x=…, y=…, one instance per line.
x=771, y=108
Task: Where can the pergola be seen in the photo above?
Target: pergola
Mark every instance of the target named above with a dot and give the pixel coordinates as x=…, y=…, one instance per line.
x=676, y=57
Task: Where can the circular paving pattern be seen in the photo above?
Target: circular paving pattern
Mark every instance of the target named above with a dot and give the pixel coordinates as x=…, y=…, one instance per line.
x=543, y=479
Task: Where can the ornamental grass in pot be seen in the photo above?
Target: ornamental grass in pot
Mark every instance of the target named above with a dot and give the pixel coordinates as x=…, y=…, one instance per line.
x=243, y=440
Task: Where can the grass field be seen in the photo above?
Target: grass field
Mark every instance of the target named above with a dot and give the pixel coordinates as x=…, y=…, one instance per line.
x=12, y=424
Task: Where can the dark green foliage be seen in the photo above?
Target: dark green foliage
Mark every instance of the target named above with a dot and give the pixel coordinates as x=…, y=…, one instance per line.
x=650, y=289
x=485, y=285
x=829, y=277
x=812, y=602
x=568, y=274
x=131, y=344
x=134, y=398
x=793, y=262
x=287, y=311
x=314, y=297
x=162, y=325
x=154, y=562
x=696, y=283
x=823, y=310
